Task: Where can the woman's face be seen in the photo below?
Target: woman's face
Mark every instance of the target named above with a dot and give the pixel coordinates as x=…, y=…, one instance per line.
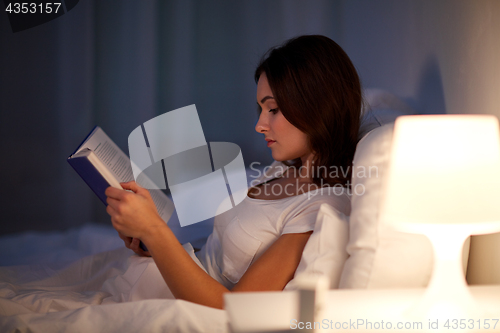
x=286, y=141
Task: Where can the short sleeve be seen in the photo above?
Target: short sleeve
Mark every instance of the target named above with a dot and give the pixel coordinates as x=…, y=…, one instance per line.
x=302, y=221
x=303, y=218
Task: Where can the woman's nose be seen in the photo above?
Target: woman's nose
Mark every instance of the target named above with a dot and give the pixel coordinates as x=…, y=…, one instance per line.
x=262, y=124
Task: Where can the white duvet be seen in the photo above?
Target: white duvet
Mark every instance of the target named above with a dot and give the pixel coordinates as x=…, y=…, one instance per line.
x=84, y=280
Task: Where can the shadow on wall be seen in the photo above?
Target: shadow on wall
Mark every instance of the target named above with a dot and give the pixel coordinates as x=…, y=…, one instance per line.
x=430, y=93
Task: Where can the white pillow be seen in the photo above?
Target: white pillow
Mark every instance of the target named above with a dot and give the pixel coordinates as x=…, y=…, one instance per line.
x=380, y=257
x=325, y=251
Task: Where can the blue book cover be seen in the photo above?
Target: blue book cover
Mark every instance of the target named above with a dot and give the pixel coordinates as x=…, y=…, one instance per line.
x=101, y=163
x=94, y=179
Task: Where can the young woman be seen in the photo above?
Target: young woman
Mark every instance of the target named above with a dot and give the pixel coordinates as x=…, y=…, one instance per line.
x=309, y=97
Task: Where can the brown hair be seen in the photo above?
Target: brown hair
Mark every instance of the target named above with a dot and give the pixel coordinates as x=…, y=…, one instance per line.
x=318, y=91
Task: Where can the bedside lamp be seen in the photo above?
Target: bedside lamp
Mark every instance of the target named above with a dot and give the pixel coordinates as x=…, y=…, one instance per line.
x=444, y=182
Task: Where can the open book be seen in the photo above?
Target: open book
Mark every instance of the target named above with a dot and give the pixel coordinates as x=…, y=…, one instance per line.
x=101, y=163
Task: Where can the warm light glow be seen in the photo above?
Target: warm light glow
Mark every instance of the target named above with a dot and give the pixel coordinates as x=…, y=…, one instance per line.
x=444, y=181
x=444, y=169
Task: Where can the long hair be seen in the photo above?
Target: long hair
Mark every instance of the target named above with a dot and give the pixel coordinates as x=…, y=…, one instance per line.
x=318, y=91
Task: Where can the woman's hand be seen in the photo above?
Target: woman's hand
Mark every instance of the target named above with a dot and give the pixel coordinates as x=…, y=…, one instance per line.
x=133, y=212
x=134, y=245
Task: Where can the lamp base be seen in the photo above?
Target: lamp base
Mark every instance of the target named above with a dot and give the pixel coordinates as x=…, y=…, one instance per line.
x=447, y=295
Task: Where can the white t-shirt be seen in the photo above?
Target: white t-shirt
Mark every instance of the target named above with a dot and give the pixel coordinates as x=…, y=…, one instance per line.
x=242, y=234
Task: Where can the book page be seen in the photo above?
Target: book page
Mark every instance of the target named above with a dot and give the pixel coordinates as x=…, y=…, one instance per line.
x=118, y=164
x=109, y=154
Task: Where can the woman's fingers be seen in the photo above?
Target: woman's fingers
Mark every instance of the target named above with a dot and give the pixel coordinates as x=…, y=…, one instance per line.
x=110, y=209
x=115, y=193
x=132, y=186
x=120, y=195
x=126, y=240
x=112, y=202
x=134, y=244
x=136, y=247
x=132, y=214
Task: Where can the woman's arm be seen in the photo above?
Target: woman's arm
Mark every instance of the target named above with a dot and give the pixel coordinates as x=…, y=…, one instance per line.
x=275, y=267
x=272, y=271
x=134, y=215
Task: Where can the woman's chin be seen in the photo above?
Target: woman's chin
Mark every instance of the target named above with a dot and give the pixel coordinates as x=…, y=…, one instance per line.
x=280, y=157
x=277, y=157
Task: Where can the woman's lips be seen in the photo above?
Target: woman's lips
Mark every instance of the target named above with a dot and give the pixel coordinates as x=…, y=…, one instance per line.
x=270, y=142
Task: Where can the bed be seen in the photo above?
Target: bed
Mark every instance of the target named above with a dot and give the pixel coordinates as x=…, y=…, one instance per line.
x=114, y=290
x=111, y=289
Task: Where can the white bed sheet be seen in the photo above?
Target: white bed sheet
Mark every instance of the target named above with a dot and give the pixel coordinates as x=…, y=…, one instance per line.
x=139, y=316
x=84, y=280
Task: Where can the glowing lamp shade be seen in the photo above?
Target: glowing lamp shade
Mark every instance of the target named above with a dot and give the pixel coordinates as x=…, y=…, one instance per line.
x=444, y=182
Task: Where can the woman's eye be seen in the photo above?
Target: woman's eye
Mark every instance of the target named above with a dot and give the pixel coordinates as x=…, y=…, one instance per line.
x=274, y=111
